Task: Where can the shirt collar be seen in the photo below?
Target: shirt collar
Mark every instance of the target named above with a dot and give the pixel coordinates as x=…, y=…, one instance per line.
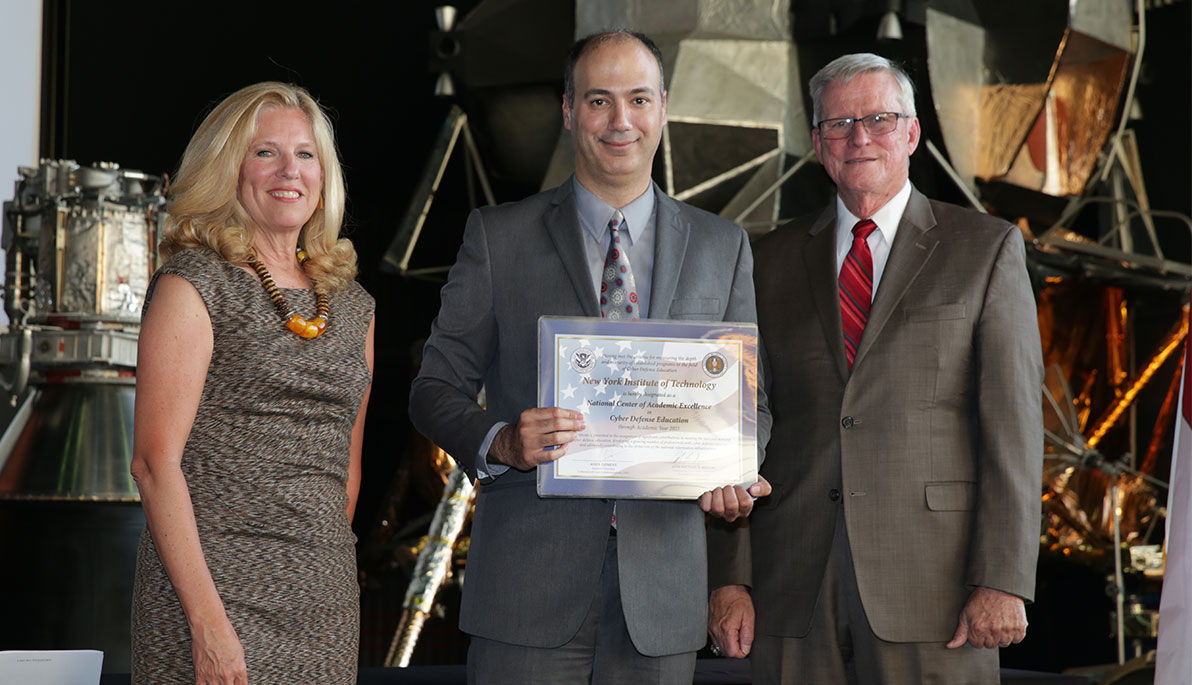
x=594, y=213
x=887, y=218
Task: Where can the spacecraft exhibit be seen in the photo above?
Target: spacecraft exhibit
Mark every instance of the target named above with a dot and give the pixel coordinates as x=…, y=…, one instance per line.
x=1030, y=112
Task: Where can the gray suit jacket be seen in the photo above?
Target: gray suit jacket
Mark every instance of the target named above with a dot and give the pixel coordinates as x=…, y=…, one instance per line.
x=933, y=441
x=534, y=563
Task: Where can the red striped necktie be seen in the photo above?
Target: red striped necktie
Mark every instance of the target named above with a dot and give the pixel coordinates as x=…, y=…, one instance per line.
x=856, y=288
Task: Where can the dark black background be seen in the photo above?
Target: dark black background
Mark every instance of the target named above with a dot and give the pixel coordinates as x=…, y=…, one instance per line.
x=129, y=81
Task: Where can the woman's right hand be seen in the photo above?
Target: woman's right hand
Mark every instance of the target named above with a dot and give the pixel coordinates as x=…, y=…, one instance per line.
x=173, y=356
x=218, y=655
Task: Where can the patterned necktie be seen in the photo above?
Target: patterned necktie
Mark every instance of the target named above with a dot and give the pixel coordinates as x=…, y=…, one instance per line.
x=856, y=288
x=618, y=292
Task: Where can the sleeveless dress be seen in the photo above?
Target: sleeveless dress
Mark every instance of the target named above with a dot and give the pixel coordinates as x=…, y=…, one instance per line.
x=266, y=464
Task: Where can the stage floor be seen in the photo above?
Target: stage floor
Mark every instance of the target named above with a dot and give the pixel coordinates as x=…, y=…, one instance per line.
x=707, y=672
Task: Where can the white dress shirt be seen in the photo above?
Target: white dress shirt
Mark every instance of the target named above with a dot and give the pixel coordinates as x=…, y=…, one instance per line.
x=887, y=219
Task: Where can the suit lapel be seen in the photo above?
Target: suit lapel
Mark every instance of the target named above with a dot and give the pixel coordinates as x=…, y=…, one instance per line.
x=670, y=245
x=561, y=223
x=912, y=247
x=820, y=261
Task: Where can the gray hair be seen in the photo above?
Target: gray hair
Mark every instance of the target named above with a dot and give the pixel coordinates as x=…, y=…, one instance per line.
x=848, y=67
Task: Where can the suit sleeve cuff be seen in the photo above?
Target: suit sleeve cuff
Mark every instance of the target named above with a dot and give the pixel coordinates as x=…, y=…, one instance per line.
x=484, y=470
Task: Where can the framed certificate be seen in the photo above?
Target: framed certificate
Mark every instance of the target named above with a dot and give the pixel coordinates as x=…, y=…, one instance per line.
x=670, y=406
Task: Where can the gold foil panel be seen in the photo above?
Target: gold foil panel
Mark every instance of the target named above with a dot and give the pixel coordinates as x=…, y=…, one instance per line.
x=1084, y=347
x=1007, y=113
x=1061, y=150
x=1078, y=512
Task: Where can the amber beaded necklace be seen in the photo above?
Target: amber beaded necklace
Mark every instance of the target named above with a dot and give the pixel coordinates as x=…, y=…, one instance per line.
x=307, y=329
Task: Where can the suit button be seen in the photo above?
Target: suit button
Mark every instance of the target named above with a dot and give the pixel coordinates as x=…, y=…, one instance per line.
x=834, y=495
x=847, y=422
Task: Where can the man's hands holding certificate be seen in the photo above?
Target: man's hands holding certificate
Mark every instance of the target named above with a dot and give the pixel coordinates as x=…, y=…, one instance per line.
x=541, y=435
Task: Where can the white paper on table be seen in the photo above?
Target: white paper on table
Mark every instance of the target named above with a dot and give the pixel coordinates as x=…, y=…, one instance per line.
x=57, y=667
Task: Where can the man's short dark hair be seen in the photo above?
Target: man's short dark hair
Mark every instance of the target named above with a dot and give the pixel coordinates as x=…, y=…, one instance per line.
x=594, y=40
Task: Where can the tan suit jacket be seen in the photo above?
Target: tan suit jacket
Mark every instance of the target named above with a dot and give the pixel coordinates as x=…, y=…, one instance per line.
x=931, y=446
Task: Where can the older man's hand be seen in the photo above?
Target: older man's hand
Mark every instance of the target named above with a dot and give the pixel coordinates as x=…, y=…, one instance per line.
x=730, y=621
x=990, y=618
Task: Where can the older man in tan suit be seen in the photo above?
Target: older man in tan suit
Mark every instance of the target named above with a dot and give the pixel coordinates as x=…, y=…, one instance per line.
x=903, y=357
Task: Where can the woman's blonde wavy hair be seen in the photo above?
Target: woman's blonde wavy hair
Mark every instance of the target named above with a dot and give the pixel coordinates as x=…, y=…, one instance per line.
x=203, y=204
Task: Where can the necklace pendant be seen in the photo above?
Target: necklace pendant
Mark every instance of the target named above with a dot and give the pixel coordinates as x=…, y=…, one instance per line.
x=307, y=329
x=315, y=327
x=295, y=323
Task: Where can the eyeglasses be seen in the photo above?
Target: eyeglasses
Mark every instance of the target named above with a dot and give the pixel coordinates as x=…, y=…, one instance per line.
x=877, y=124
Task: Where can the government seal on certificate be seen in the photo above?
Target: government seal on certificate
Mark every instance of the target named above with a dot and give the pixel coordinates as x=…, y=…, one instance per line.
x=670, y=406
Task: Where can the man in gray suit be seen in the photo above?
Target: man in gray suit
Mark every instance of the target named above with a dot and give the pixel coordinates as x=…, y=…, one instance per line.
x=555, y=593
x=899, y=544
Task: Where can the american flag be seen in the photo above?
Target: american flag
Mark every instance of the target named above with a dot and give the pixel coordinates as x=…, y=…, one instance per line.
x=1174, y=660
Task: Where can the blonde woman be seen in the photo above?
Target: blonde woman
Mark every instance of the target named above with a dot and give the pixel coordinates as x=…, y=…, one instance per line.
x=254, y=369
